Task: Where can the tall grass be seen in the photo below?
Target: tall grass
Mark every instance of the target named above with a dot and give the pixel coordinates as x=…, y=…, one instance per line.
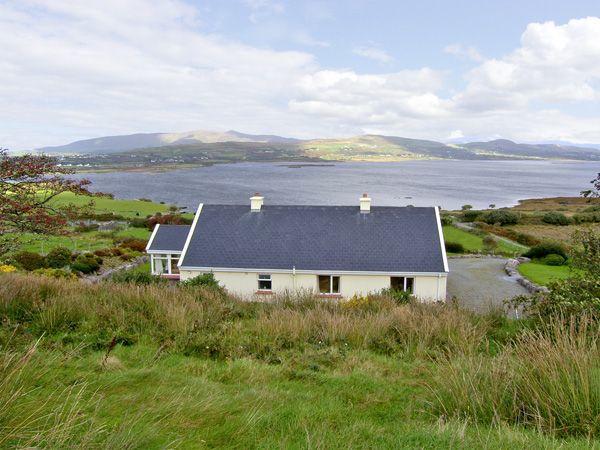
x=480, y=369
x=204, y=322
x=547, y=378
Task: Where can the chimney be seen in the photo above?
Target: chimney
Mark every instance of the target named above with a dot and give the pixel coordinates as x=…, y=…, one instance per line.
x=365, y=203
x=256, y=202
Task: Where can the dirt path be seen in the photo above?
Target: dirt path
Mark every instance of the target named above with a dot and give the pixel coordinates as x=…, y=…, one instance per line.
x=481, y=283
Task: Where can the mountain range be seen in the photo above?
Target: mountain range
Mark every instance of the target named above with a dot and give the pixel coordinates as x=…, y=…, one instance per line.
x=365, y=147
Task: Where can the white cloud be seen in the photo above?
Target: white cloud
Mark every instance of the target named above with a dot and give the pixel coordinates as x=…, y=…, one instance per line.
x=374, y=53
x=263, y=8
x=76, y=70
x=468, y=52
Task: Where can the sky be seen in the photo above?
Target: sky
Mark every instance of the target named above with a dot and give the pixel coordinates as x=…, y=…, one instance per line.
x=526, y=70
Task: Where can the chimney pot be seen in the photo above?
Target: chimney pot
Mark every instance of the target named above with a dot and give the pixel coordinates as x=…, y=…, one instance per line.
x=365, y=204
x=256, y=202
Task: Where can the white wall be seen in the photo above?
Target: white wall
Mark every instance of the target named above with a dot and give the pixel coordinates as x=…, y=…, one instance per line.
x=427, y=288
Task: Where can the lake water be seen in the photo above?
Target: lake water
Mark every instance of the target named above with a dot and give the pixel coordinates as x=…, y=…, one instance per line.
x=448, y=184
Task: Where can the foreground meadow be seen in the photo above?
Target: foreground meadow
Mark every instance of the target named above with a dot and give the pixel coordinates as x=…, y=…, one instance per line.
x=126, y=366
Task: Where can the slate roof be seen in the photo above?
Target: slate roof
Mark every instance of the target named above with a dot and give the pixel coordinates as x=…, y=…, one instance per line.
x=328, y=238
x=170, y=238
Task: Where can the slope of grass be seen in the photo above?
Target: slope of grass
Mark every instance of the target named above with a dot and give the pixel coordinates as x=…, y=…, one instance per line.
x=542, y=274
x=126, y=208
x=123, y=366
x=474, y=243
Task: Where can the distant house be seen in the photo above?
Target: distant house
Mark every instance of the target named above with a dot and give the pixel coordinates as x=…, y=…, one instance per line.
x=335, y=251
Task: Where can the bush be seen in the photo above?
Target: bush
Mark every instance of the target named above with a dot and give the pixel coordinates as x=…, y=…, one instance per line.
x=170, y=219
x=136, y=276
x=58, y=257
x=447, y=219
x=206, y=279
x=501, y=216
x=553, y=260
x=137, y=245
x=55, y=273
x=399, y=297
x=84, y=228
x=30, y=260
x=546, y=248
x=7, y=268
x=86, y=264
x=470, y=216
x=490, y=243
x=556, y=218
x=139, y=222
x=590, y=217
x=454, y=247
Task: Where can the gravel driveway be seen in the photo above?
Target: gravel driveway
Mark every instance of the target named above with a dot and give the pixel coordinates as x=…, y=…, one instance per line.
x=481, y=284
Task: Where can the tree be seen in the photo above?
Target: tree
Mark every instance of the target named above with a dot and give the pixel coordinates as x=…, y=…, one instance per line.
x=489, y=243
x=466, y=207
x=595, y=191
x=28, y=183
x=492, y=206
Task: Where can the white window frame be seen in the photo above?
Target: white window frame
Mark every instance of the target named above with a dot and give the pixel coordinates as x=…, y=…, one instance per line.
x=265, y=277
x=168, y=258
x=405, y=283
x=330, y=285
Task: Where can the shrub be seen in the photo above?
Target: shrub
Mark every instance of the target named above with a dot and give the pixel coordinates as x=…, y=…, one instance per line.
x=136, y=276
x=137, y=245
x=595, y=208
x=490, y=243
x=545, y=249
x=103, y=252
x=501, y=216
x=85, y=227
x=206, y=280
x=454, y=247
x=58, y=257
x=139, y=222
x=553, y=260
x=447, y=219
x=86, y=264
x=55, y=273
x=556, y=218
x=7, y=268
x=30, y=260
x=470, y=216
x=590, y=217
x=171, y=219
x=399, y=297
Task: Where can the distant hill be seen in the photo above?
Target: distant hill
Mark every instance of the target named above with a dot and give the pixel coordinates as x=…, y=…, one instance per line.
x=211, y=145
x=116, y=144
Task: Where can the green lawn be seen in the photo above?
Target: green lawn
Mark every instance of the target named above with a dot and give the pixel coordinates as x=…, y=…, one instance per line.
x=127, y=208
x=174, y=401
x=473, y=243
x=542, y=274
x=88, y=241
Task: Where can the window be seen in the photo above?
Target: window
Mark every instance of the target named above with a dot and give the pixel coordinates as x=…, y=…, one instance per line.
x=402, y=284
x=164, y=264
x=329, y=284
x=264, y=282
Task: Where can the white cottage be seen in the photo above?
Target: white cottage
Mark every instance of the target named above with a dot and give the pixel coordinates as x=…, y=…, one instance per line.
x=335, y=251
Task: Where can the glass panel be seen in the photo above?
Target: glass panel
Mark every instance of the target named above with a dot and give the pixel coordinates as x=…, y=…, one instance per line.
x=264, y=282
x=335, y=282
x=324, y=284
x=397, y=283
x=410, y=282
x=160, y=266
x=174, y=268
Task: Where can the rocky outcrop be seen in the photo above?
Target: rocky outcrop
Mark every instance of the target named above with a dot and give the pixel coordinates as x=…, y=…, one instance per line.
x=511, y=269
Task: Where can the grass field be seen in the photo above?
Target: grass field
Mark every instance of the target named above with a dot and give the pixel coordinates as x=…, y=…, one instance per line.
x=86, y=241
x=473, y=243
x=193, y=369
x=542, y=274
x=126, y=208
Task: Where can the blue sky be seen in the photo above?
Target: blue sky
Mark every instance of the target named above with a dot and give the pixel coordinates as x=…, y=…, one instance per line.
x=527, y=70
